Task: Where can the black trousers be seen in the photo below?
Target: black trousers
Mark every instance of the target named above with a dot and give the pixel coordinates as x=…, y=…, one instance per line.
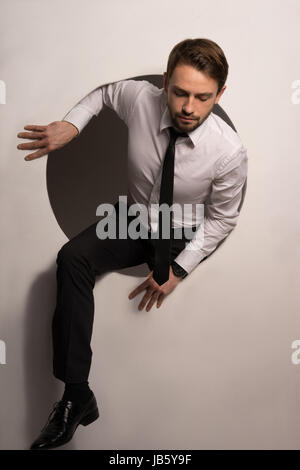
x=79, y=261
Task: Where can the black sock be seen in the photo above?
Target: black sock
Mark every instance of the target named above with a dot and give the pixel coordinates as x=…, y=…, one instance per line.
x=77, y=391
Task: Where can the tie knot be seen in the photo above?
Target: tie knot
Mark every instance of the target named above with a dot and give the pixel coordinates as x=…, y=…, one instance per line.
x=174, y=134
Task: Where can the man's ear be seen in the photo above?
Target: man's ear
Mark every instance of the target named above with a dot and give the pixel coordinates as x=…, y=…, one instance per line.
x=220, y=94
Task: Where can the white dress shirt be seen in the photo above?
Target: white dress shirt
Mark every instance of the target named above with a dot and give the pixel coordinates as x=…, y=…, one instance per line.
x=210, y=166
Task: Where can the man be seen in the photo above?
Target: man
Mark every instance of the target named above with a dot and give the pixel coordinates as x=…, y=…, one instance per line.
x=178, y=151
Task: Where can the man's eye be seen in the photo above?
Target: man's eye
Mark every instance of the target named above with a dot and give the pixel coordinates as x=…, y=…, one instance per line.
x=178, y=93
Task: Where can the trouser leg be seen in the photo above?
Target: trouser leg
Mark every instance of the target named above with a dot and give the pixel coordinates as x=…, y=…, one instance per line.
x=79, y=261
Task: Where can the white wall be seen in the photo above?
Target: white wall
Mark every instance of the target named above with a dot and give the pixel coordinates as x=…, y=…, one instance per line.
x=212, y=368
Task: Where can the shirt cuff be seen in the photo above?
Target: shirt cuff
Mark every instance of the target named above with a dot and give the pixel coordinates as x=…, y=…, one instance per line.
x=79, y=117
x=189, y=259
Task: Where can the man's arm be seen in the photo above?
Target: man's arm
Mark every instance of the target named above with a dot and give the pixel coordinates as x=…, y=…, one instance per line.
x=120, y=96
x=220, y=212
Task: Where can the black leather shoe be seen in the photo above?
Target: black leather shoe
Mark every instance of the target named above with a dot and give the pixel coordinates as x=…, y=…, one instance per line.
x=63, y=421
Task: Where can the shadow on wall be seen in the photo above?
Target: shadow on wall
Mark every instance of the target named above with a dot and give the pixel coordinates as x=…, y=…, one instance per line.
x=42, y=390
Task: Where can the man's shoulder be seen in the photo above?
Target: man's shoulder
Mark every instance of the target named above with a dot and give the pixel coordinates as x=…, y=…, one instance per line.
x=139, y=84
x=224, y=134
x=147, y=93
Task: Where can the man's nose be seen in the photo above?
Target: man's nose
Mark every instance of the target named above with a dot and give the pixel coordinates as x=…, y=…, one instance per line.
x=188, y=107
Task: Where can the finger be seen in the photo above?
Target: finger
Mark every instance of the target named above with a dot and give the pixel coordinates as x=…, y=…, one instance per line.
x=152, y=301
x=139, y=289
x=32, y=145
x=34, y=127
x=37, y=154
x=31, y=135
x=160, y=300
x=145, y=299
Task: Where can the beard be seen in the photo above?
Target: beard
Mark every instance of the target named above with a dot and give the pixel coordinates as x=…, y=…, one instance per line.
x=182, y=126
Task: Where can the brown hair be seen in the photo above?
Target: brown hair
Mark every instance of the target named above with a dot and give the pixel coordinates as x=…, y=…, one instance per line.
x=203, y=54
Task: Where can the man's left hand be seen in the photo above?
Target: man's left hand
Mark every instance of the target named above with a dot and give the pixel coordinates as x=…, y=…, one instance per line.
x=155, y=292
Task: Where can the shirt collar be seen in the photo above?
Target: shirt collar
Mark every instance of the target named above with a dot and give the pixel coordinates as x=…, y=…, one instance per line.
x=166, y=121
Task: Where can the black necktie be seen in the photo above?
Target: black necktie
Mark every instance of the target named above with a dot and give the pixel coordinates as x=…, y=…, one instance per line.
x=163, y=245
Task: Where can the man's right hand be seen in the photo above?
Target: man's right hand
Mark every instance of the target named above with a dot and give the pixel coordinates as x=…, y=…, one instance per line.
x=47, y=138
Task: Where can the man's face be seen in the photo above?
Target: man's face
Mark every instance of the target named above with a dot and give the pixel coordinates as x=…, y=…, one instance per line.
x=190, y=94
